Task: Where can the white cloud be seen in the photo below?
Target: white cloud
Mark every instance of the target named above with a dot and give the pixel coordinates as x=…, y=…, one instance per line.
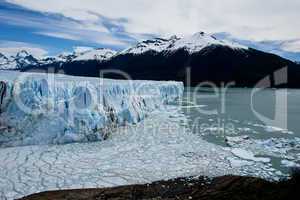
x=87, y=36
x=250, y=19
x=59, y=35
x=81, y=49
x=54, y=25
x=291, y=46
x=11, y=48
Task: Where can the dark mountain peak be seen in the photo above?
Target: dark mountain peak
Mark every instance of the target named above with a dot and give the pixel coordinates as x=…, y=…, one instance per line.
x=2, y=55
x=174, y=37
x=22, y=54
x=200, y=33
x=3, y=59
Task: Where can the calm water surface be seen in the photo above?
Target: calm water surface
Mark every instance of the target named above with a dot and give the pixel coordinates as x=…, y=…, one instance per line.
x=234, y=117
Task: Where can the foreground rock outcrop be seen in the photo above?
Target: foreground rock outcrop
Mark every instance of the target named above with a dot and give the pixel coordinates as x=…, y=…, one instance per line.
x=226, y=187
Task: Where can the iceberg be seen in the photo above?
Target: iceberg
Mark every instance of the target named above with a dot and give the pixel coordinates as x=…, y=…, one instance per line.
x=40, y=108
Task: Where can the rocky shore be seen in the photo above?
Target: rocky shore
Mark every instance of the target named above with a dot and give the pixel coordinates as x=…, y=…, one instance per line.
x=220, y=188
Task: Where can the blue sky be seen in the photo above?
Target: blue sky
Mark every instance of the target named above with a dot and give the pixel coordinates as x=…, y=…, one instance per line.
x=54, y=26
x=55, y=33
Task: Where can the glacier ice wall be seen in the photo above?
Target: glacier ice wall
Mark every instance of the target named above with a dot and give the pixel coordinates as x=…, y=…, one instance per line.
x=55, y=109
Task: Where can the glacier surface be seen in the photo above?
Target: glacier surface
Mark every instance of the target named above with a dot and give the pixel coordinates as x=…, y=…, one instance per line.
x=56, y=109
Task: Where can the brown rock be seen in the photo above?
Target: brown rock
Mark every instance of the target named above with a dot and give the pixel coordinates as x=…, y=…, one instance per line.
x=220, y=188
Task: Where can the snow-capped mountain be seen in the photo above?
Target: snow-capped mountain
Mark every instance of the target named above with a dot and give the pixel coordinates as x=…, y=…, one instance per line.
x=48, y=60
x=3, y=59
x=155, y=45
x=192, y=44
x=23, y=59
x=209, y=59
x=65, y=57
x=279, y=47
x=20, y=60
x=199, y=41
x=99, y=54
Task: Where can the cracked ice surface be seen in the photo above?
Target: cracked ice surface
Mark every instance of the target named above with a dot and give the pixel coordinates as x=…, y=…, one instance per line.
x=56, y=109
x=160, y=147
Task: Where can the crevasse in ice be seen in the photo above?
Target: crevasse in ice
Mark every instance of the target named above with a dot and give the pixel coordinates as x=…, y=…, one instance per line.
x=55, y=109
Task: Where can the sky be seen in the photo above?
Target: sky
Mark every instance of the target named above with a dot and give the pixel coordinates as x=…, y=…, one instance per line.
x=50, y=27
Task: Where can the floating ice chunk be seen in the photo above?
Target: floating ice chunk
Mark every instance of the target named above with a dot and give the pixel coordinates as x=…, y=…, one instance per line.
x=248, y=155
x=277, y=129
x=238, y=162
x=272, y=129
x=237, y=139
x=288, y=163
x=276, y=147
x=245, y=129
x=195, y=106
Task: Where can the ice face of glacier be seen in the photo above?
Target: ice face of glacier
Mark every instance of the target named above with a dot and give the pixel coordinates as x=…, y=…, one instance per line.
x=55, y=109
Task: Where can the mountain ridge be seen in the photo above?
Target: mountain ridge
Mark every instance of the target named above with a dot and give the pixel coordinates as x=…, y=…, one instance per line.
x=192, y=43
x=208, y=58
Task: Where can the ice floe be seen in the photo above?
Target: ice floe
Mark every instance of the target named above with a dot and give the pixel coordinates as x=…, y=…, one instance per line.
x=288, y=163
x=287, y=150
x=248, y=155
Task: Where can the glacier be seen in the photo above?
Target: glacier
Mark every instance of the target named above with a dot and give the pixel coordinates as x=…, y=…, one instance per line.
x=41, y=108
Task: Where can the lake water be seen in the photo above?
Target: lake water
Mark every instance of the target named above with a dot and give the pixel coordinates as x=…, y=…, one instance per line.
x=234, y=122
